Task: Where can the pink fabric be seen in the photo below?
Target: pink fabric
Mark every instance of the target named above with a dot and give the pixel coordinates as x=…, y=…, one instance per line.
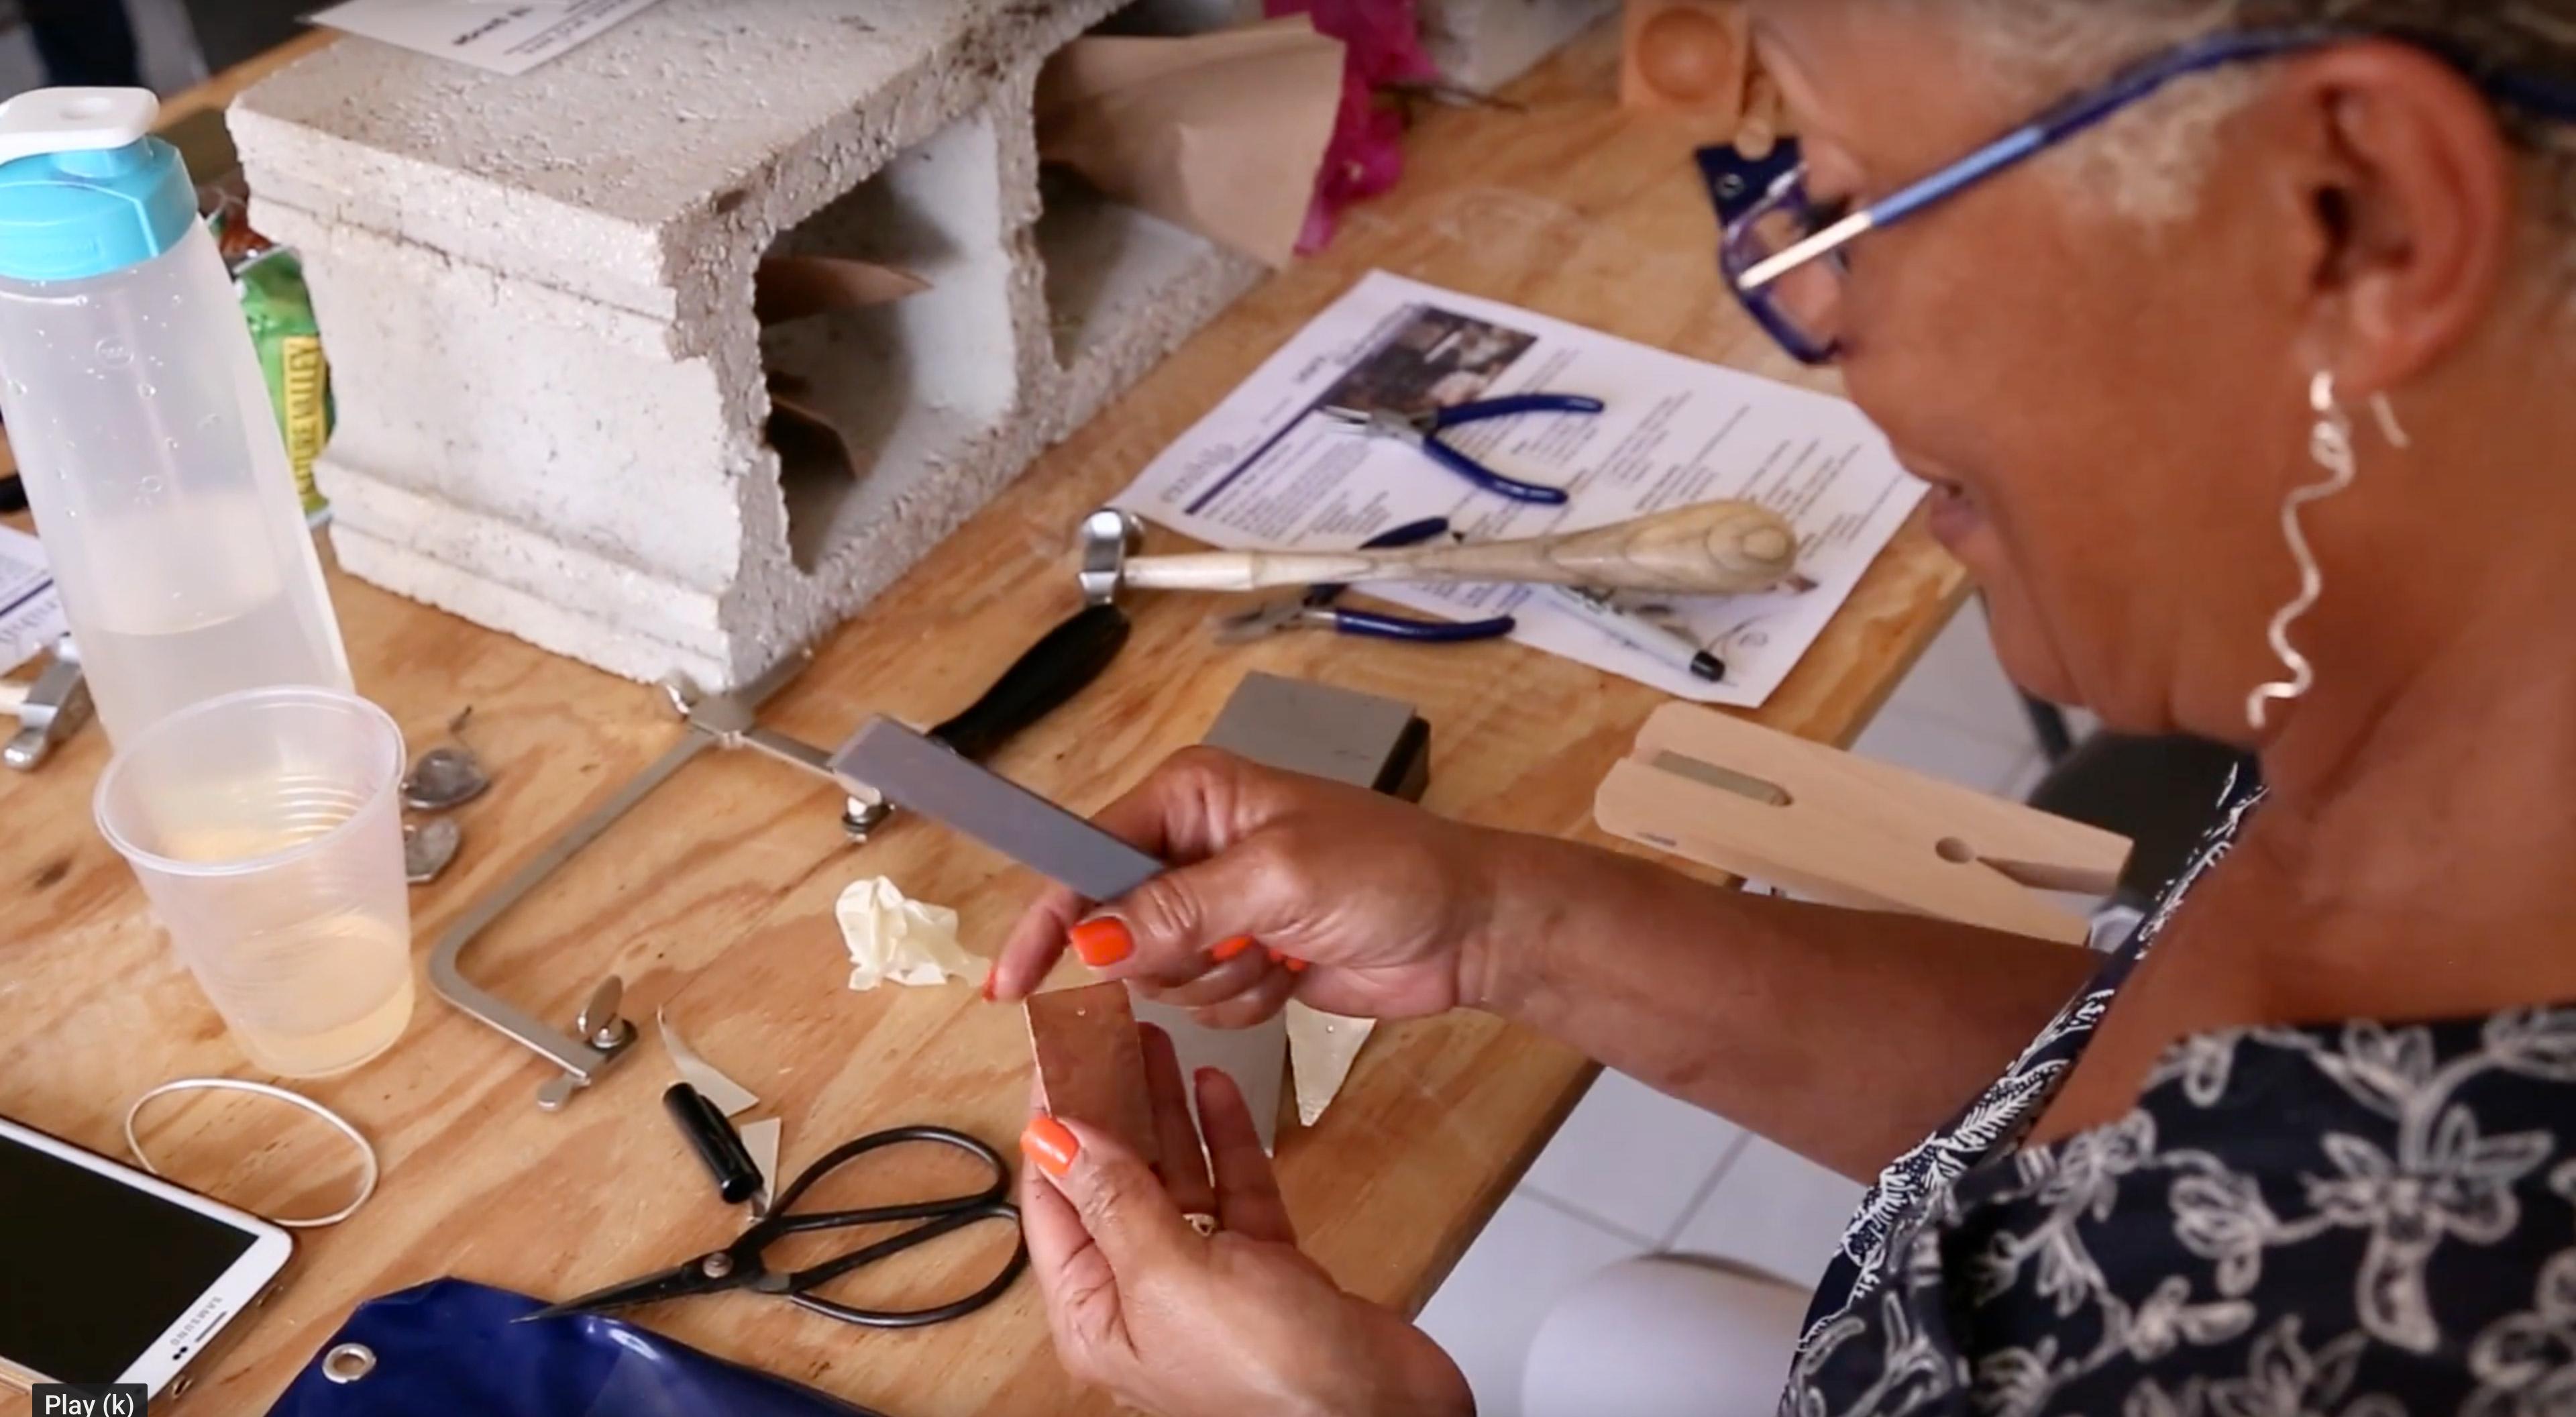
x=1366, y=156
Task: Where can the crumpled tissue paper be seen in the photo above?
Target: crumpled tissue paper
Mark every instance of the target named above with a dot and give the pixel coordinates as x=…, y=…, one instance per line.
x=892, y=937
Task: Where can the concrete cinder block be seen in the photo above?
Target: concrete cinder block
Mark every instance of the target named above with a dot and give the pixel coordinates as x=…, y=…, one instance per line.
x=1485, y=44
x=555, y=400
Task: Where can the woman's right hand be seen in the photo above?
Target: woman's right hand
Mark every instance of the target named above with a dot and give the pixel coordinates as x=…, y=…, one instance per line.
x=1282, y=885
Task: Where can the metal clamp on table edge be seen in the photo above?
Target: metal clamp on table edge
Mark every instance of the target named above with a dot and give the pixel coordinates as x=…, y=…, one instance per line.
x=48, y=711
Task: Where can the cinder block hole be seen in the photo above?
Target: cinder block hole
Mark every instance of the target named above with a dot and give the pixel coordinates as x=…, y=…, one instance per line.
x=1105, y=260
x=901, y=387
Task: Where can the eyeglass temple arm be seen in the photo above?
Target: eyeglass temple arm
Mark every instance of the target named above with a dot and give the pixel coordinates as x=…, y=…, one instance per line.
x=2049, y=129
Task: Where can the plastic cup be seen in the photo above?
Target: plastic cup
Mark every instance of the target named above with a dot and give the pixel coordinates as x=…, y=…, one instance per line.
x=266, y=829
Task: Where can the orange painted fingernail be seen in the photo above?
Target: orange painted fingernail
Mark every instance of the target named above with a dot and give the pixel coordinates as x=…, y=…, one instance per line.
x=1228, y=949
x=1294, y=966
x=1276, y=957
x=1102, y=942
x=989, y=976
x=1051, y=1145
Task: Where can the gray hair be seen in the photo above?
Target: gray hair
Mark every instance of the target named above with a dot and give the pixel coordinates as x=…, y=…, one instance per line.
x=2149, y=161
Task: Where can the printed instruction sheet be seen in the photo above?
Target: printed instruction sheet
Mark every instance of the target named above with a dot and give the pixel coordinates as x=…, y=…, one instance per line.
x=1266, y=471
x=31, y=615
x=503, y=36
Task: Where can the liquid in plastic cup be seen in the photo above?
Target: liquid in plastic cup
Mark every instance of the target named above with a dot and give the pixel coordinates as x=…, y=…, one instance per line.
x=266, y=828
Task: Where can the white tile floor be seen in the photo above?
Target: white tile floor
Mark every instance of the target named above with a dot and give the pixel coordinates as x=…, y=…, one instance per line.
x=1634, y=1172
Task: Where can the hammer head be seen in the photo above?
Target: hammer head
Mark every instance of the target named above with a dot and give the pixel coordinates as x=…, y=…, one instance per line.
x=1109, y=536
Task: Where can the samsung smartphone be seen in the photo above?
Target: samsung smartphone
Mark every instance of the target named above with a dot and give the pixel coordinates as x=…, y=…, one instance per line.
x=108, y=1275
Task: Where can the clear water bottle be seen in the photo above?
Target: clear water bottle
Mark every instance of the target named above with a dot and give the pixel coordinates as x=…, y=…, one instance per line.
x=135, y=405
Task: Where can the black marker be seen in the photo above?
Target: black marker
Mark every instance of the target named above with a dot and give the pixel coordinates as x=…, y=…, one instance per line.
x=712, y=1137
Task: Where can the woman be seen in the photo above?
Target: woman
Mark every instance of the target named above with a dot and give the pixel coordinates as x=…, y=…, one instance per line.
x=2279, y=274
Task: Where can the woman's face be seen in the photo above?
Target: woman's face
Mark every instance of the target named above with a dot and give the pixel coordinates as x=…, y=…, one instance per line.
x=2109, y=411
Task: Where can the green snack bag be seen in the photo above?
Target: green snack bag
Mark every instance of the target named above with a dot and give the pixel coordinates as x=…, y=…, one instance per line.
x=280, y=310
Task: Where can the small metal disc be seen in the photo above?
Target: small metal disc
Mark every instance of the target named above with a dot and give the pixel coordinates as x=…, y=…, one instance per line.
x=444, y=778
x=428, y=847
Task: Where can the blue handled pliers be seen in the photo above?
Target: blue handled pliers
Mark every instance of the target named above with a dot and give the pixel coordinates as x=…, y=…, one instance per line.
x=1423, y=431
x=1315, y=610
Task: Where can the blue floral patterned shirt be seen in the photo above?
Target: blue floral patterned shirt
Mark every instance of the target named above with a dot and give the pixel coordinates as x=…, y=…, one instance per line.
x=2357, y=1220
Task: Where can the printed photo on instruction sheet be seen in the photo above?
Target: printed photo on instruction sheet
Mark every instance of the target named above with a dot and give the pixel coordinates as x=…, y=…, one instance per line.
x=1435, y=359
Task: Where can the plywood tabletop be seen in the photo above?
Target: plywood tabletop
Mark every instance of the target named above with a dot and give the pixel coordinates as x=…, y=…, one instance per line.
x=715, y=898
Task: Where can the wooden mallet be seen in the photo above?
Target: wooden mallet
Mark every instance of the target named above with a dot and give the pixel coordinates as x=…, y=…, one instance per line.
x=1714, y=548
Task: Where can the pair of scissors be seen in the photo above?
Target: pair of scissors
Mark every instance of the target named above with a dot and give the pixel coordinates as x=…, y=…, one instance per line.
x=1315, y=608
x=740, y=1265
x=1423, y=431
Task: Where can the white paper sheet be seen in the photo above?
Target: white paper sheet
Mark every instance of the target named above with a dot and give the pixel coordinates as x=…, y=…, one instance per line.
x=503, y=36
x=1265, y=472
x=31, y=614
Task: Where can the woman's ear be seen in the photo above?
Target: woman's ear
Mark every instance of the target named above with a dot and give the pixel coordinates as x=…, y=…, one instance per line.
x=2411, y=187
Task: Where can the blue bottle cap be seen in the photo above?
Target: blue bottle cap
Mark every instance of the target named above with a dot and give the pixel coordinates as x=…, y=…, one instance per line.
x=83, y=189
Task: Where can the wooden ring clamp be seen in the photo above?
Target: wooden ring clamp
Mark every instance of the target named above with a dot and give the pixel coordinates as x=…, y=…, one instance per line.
x=1713, y=788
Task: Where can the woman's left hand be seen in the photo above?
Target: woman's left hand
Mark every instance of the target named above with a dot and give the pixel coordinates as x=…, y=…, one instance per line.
x=1230, y=1324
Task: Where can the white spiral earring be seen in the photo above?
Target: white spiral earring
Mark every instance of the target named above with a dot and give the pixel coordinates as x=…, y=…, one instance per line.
x=2331, y=445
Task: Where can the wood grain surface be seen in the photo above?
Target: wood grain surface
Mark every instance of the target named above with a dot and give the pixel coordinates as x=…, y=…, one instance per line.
x=715, y=898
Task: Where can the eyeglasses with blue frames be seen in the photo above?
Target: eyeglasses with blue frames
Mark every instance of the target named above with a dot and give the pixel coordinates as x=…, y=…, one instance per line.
x=1786, y=258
